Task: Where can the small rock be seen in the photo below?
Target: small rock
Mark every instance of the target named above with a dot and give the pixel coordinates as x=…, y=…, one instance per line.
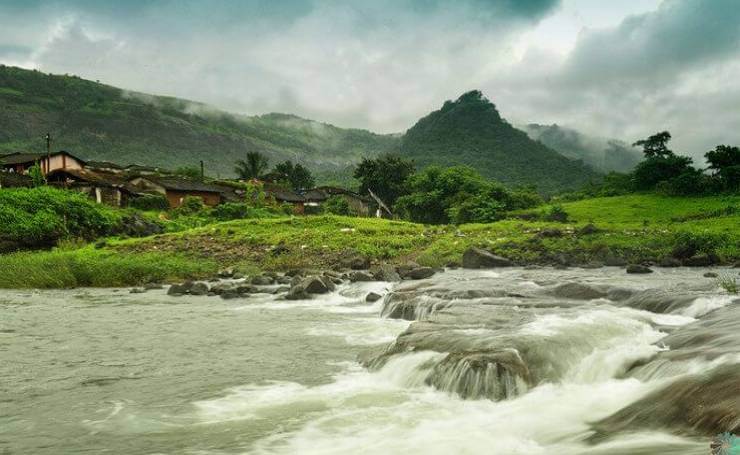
x=478, y=258
x=373, y=297
x=638, y=269
x=245, y=289
x=177, y=290
x=420, y=273
x=137, y=291
x=199, y=288
x=669, y=261
x=226, y=273
x=220, y=288
x=699, y=260
x=238, y=276
x=283, y=279
x=360, y=276
x=710, y=275
x=314, y=285
x=262, y=280
x=385, y=272
x=229, y=294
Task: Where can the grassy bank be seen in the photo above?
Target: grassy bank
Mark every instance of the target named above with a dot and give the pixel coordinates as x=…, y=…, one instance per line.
x=634, y=228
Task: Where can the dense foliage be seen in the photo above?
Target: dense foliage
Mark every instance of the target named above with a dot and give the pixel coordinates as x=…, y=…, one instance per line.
x=150, y=202
x=459, y=195
x=293, y=175
x=724, y=162
x=40, y=217
x=470, y=131
x=337, y=205
x=386, y=177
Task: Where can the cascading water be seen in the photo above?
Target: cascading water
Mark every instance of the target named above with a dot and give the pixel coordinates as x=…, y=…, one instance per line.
x=507, y=362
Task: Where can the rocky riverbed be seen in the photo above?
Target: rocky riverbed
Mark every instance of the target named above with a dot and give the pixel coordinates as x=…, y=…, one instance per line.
x=376, y=360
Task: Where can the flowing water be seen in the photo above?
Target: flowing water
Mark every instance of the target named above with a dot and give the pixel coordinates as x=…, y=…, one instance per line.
x=511, y=361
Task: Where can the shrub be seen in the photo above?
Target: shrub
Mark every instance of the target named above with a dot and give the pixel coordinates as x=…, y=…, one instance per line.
x=557, y=213
x=337, y=205
x=728, y=283
x=39, y=217
x=150, y=202
x=191, y=205
x=231, y=211
x=687, y=244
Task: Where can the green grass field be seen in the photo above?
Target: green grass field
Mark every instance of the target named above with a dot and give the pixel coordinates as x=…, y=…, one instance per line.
x=635, y=228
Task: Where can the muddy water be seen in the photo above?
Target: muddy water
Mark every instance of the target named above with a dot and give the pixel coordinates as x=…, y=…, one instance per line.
x=511, y=361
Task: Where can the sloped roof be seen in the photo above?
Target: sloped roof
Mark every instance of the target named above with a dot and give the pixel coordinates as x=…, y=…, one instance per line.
x=281, y=194
x=95, y=177
x=322, y=193
x=22, y=157
x=181, y=184
x=103, y=165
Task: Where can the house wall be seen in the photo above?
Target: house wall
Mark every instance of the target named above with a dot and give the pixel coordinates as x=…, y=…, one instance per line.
x=60, y=161
x=175, y=198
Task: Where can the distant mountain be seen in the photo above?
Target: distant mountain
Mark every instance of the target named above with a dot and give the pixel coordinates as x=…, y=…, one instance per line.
x=100, y=122
x=603, y=154
x=471, y=131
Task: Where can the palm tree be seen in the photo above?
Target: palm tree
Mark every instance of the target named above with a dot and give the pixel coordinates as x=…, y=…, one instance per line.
x=253, y=168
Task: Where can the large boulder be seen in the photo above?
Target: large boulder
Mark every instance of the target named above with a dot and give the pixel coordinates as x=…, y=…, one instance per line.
x=199, y=288
x=669, y=261
x=262, y=280
x=314, y=285
x=353, y=260
x=478, y=258
x=373, y=297
x=700, y=260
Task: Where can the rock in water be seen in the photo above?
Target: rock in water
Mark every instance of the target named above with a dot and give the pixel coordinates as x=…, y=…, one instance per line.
x=373, y=297
x=578, y=291
x=386, y=272
x=177, y=290
x=637, y=268
x=478, y=258
x=199, y=288
x=314, y=285
x=360, y=276
x=420, y=273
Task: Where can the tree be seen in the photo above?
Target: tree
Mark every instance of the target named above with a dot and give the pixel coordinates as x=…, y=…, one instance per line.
x=253, y=167
x=295, y=175
x=724, y=161
x=656, y=169
x=655, y=145
x=385, y=176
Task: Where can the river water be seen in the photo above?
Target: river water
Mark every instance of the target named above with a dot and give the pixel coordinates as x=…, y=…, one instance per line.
x=510, y=361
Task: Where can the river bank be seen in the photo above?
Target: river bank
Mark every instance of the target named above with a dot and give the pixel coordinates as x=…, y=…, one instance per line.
x=638, y=229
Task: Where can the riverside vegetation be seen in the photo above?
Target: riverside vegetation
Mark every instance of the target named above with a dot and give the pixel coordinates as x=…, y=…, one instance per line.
x=636, y=228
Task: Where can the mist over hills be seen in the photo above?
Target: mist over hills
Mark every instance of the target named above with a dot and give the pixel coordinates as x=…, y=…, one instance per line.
x=602, y=154
x=100, y=122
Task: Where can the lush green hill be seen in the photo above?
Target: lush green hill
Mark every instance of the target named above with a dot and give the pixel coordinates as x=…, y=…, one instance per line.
x=100, y=122
x=602, y=154
x=471, y=131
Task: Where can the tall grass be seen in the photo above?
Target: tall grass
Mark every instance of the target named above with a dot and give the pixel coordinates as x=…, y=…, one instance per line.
x=90, y=267
x=728, y=283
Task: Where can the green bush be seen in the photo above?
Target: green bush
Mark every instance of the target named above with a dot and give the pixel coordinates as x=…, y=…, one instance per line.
x=337, y=205
x=150, y=202
x=687, y=244
x=191, y=205
x=232, y=211
x=556, y=213
x=39, y=217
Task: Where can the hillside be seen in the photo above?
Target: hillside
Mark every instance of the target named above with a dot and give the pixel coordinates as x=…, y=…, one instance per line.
x=471, y=131
x=602, y=154
x=100, y=122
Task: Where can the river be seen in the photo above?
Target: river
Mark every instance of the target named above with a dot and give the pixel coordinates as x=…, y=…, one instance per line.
x=510, y=361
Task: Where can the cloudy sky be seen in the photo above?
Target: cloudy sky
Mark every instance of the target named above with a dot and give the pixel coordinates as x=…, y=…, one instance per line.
x=619, y=69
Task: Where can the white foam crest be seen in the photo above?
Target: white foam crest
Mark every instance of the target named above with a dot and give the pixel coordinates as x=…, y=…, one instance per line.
x=432, y=422
x=704, y=305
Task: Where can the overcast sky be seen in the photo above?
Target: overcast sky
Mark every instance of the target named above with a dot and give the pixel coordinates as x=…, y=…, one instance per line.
x=620, y=69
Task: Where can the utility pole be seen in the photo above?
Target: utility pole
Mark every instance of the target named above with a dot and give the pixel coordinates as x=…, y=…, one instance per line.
x=48, y=151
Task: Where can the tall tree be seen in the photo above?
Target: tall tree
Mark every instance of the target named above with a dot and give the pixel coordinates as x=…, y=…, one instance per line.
x=253, y=167
x=385, y=176
x=656, y=145
x=296, y=175
x=724, y=161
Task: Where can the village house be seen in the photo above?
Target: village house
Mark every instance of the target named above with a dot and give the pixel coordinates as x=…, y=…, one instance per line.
x=15, y=180
x=20, y=163
x=359, y=204
x=176, y=189
x=103, y=187
x=284, y=196
x=105, y=166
